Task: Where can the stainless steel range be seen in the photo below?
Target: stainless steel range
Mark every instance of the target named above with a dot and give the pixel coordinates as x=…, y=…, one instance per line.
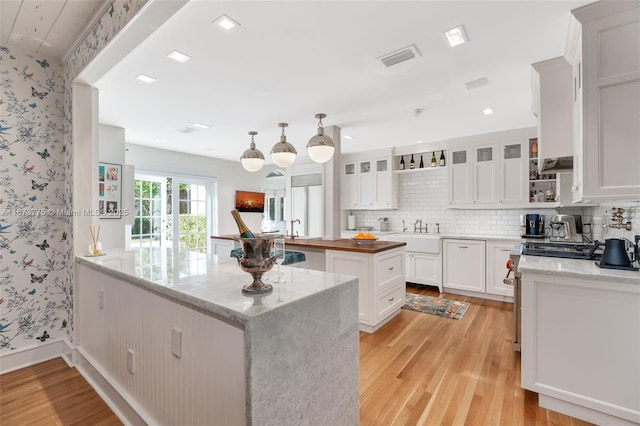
x=583, y=251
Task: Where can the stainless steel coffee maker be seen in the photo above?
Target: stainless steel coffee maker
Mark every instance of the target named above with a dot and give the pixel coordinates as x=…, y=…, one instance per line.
x=566, y=227
x=531, y=226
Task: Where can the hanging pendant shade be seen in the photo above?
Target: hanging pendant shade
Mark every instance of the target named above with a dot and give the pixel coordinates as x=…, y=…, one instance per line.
x=320, y=147
x=283, y=153
x=252, y=159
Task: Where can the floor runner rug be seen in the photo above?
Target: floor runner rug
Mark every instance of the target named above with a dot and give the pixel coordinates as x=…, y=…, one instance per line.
x=436, y=306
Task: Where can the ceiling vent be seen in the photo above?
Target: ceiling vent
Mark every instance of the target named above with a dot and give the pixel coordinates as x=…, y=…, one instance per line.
x=476, y=83
x=187, y=130
x=402, y=55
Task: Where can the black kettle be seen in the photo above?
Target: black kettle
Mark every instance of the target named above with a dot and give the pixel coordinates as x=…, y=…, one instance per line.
x=615, y=253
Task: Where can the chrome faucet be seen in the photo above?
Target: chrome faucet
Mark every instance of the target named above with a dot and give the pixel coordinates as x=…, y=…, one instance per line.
x=416, y=228
x=404, y=228
x=292, y=222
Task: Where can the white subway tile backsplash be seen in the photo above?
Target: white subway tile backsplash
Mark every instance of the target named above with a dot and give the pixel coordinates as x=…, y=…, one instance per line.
x=424, y=195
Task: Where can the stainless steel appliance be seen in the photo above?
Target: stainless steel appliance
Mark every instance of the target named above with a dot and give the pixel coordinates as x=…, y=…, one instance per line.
x=532, y=226
x=565, y=227
x=512, y=266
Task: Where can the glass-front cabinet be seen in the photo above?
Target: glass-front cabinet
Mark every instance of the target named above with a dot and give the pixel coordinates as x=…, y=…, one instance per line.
x=368, y=182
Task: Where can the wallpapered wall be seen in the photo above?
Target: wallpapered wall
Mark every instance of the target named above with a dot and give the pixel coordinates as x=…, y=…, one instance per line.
x=36, y=163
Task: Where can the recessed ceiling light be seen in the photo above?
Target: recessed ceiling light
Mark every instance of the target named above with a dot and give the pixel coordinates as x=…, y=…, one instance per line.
x=456, y=36
x=348, y=137
x=160, y=140
x=201, y=126
x=145, y=78
x=178, y=56
x=487, y=111
x=226, y=23
x=420, y=142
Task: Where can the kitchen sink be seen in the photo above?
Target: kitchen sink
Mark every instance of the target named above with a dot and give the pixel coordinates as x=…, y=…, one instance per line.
x=423, y=243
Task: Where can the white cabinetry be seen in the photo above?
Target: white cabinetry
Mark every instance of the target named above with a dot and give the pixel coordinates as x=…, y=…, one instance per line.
x=485, y=174
x=381, y=279
x=222, y=248
x=476, y=268
x=460, y=177
x=368, y=182
x=581, y=345
x=605, y=54
x=464, y=267
x=551, y=89
x=489, y=175
x=497, y=256
x=423, y=268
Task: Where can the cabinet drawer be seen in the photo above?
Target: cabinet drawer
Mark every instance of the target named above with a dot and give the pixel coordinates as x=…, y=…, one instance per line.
x=389, y=302
x=388, y=268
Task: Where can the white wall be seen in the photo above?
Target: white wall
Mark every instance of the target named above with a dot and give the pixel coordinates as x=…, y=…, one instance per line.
x=230, y=176
x=111, y=150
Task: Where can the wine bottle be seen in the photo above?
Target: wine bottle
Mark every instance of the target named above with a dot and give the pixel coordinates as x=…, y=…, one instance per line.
x=412, y=163
x=433, y=159
x=421, y=162
x=402, y=163
x=442, y=162
x=245, y=232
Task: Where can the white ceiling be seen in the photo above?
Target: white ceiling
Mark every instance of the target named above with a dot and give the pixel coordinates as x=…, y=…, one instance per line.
x=48, y=27
x=292, y=59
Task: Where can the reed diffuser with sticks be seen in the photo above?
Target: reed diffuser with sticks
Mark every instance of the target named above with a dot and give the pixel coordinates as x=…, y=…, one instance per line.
x=95, y=246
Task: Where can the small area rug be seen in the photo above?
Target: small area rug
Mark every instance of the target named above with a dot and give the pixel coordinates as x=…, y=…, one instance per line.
x=436, y=306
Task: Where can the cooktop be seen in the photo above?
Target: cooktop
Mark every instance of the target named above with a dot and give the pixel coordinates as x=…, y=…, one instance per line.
x=587, y=251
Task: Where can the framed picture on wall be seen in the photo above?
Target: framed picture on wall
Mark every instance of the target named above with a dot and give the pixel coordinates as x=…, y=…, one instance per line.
x=252, y=202
x=109, y=190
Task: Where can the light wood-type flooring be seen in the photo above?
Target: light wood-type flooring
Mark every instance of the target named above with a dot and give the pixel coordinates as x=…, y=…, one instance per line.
x=419, y=369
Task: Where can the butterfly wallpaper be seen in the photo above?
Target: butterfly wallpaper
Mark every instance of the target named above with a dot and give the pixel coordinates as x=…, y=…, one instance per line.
x=36, y=163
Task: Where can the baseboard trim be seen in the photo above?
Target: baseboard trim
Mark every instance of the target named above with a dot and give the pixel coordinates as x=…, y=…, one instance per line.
x=581, y=412
x=128, y=413
x=35, y=354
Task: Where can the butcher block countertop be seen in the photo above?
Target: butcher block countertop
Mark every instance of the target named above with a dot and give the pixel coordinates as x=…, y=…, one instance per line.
x=343, y=244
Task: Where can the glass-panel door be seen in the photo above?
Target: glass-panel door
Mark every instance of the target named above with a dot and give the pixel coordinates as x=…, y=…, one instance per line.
x=191, y=218
x=150, y=215
x=173, y=212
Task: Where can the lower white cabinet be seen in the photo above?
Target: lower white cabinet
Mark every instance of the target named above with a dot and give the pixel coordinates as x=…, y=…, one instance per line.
x=497, y=257
x=464, y=265
x=221, y=247
x=381, y=283
x=424, y=269
x=477, y=268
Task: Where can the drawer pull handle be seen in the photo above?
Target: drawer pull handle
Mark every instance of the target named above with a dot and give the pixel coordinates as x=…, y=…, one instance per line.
x=391, y=268
x=392, y=299
x=505, y=250
x=463, y=247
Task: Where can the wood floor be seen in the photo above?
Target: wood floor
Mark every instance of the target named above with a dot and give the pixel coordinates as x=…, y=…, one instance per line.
x=419, y=369
x=51, y=393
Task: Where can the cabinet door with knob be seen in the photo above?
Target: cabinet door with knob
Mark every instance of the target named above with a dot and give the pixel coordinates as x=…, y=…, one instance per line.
x=464, y=264
x=497, y=256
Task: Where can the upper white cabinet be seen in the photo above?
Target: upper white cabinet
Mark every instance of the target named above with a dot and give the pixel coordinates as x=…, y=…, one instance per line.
x=604, y=50
x=485, y=174
x=489, y=175
x=368, y=182
x=552, y=105
x=460, y=176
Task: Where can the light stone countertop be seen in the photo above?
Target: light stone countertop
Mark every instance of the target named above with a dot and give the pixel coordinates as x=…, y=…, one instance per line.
x=209, y=283
x=576, y=268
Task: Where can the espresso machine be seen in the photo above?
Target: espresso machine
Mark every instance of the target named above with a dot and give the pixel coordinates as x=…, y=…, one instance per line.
x=531, y=226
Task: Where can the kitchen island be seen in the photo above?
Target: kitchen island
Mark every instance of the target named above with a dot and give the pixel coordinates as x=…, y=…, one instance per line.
x=581, y=338
x=379, y=267
x=173, y=334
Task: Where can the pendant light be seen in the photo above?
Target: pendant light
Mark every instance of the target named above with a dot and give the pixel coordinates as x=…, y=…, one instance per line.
x=283, y=153
x=320, y=147
x=252, y=159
